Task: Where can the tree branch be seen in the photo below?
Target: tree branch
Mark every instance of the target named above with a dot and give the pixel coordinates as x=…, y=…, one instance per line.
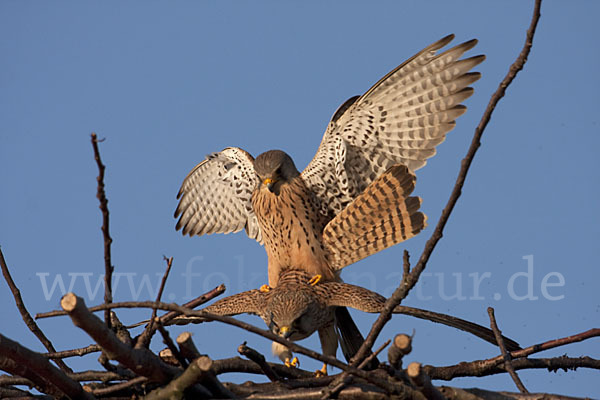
x=83, y=316
x=20, y=360
x=259, y=359
x=402, y=291
x=33, y=327
x=144, y=339
x=92, y=348
x=505, y=354
x=141, y=361
x=481, y=367
x=101, y=195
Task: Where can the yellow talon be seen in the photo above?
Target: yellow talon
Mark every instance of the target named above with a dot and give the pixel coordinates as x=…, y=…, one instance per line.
x=314, y=280
x=293, y=363
x=265, y=288
x=321, y=372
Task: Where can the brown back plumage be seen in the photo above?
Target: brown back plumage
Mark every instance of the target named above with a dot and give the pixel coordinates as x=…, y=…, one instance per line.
x=383, y=215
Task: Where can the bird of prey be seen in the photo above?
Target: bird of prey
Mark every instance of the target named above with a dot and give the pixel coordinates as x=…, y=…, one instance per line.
x=375, y=140
x=297, y=307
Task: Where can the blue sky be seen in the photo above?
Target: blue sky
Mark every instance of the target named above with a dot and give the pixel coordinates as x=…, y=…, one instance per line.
x=168, y=83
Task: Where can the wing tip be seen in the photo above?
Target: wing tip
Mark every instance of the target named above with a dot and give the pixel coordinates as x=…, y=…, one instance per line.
x=443, y=41
x=469, y=44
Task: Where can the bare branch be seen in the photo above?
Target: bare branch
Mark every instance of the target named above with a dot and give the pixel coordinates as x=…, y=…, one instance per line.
x=146, y=336
x=505, y=354
x=237, y=364
x=19, y=360
x=485, y=367
x=259, y=359
x=193, y=374
x=402, y=346
x=101, y=195
x=345, y=379
x=141, y=361
x=472, y=369
x=187, y=348
x=164, y=319
x=33, y=327
x=103, y=376
x=169, y=342
x=422, y=382
x=119, y=386
x=402, y=291
x=92, y=348
x=75, y=303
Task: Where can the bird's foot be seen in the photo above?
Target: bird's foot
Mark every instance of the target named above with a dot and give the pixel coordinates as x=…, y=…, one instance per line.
x=293, y=363
x=265, y=288
x=315, y=279
x=321, y=372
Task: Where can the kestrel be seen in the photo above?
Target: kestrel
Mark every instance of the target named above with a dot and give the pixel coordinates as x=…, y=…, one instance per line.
x=394, y=127
x=297, y=307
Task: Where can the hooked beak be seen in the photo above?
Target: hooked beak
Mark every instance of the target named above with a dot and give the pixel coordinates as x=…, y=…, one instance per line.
x=285, y=332
x=269, y=184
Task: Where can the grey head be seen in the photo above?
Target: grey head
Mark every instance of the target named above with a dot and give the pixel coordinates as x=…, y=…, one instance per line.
x=275, y=168
x=292, y=314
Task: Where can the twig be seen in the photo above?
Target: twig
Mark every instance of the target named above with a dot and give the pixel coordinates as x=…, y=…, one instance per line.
x=169, y=342
x=18, y=394
x=198, y=301
x=87, y=376
x=505, y=354
x=146, y=336
x=33, y=327
x=482, y=367
x=119, y=386
x=237, y=364
x=92, y=348
x=405, y=264
x=101, y=195
x=345, y=379
x=474, y=369
x=164, y=319
x=259, y=359
x=402, y=291
x=19, y=360
x=359, y=391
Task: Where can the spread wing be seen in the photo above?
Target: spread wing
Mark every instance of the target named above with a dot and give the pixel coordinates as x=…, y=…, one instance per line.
x=249, y=302
x=400, y=120
x=216, y=196
x=345, y=295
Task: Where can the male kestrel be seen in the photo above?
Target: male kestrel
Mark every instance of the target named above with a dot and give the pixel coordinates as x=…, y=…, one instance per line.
x=393, y=127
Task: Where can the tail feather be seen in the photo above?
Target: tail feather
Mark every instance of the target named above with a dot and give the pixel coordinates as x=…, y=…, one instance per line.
x=383, y=215
x=349, y=336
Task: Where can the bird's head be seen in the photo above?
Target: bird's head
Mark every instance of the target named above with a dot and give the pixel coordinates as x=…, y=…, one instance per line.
x=275, y=168
x=292, y=315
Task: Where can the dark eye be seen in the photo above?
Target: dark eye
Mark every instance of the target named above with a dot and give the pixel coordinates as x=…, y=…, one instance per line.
x=273, y=326
x=278, y=171
x=298, y=321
